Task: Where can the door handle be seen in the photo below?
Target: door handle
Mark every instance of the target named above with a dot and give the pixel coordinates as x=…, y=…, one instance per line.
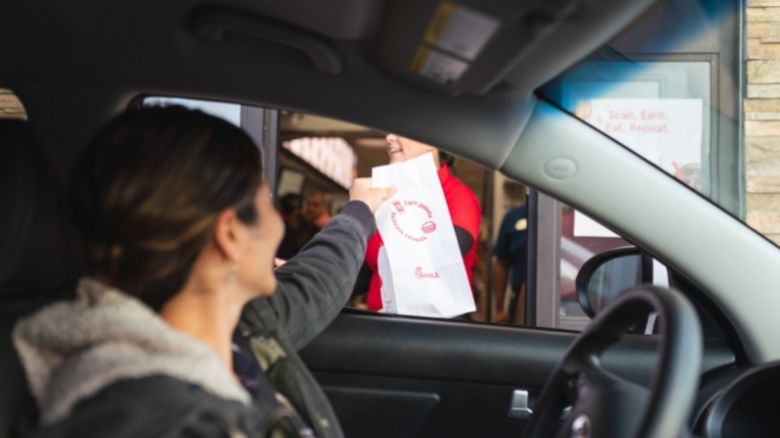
x=518, y=407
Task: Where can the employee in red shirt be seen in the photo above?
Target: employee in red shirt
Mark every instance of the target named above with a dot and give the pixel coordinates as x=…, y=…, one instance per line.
x=463, y=206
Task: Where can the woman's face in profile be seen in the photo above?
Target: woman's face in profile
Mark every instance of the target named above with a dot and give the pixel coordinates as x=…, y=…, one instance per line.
x=256, y=267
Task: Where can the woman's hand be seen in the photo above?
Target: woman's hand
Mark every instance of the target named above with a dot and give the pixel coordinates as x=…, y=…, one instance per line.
x=362, y=191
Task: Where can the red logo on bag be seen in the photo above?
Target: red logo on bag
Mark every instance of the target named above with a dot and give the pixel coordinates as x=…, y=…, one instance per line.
x=418, y=272
x=407, y=217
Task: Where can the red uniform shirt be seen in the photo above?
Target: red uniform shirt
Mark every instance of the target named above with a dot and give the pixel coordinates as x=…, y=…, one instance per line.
x=465, y=212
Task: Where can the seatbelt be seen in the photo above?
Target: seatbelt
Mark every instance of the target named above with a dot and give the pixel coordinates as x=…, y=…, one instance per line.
x=284, y=416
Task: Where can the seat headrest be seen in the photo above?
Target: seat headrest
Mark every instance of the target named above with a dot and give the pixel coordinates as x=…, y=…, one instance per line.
x=39, y=252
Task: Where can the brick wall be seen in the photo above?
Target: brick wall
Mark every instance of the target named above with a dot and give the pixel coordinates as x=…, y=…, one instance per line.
x=762, y=117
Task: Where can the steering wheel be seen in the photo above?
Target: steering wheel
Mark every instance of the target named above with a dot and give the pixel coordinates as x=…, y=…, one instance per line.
x=607, y=406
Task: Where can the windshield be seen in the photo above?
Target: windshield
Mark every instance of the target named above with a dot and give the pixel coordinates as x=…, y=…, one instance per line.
x=694, y=88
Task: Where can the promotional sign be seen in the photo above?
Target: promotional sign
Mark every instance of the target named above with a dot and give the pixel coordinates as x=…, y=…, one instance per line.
x=420, y=264
x=667, y=132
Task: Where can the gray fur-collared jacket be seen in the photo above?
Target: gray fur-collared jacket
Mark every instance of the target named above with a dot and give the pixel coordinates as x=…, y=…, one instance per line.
x=105, y=365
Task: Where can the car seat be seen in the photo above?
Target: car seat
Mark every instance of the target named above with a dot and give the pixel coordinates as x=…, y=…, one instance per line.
x=39, y=255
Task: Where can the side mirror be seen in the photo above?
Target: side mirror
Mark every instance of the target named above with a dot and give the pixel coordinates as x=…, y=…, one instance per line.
x=603, y=277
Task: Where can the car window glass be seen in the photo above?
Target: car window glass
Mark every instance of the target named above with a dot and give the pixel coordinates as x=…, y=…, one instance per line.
x=258, y=123
x=581, y=239
x=10, y=106
x=692, y=87
x=529, y=247
x=566, y=239
x=658, y=108
x=318, y=158
x=523, y=268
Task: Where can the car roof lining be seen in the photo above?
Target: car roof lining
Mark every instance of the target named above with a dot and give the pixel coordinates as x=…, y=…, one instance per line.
x=323, y=18
x=97, y=47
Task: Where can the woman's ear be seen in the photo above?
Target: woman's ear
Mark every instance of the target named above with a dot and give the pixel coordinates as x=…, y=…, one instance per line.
x=229, y=235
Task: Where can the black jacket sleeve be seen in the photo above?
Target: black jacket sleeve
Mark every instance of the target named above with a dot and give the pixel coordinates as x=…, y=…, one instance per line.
x=465, y=241
x=363, y=281
x=313, y=286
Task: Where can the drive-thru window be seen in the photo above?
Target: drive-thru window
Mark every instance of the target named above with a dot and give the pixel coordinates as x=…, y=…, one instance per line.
x=675, y=104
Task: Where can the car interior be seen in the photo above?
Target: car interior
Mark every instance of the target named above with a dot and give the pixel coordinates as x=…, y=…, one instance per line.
x=705, y=371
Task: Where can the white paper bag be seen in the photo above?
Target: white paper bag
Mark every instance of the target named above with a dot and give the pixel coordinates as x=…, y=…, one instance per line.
x=421, y=266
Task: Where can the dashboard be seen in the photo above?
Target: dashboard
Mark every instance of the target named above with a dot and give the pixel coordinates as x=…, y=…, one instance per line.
x=745, y=405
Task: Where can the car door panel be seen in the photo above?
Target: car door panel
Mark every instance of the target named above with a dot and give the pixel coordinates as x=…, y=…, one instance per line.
x=392, y=376
x=371, y=410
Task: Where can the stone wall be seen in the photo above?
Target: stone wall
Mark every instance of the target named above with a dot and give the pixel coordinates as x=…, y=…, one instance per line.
x=762, y=117
x=10, y=106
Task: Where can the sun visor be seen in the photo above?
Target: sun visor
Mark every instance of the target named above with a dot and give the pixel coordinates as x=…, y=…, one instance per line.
x=469, y=45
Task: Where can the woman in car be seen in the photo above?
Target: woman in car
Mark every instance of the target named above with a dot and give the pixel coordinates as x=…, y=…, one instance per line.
x=180, y=236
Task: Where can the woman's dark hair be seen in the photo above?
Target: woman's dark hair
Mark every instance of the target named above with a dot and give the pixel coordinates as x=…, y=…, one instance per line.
x=146, y=191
